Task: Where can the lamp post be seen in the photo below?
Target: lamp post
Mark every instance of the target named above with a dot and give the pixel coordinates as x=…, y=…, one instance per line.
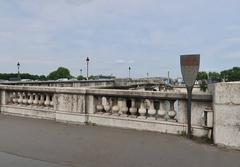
x=129, y=72
x=168, y=77
x=81, y=72
x=189, y=69
x=18, y=66
x=87, y=60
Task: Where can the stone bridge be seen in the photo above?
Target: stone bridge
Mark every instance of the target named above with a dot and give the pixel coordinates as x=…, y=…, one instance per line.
x=214, y=114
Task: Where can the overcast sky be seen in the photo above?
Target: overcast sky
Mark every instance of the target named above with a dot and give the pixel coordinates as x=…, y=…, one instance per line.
x=148, y=35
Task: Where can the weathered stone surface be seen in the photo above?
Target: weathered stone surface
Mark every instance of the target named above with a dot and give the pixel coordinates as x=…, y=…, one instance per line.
x=226, y=106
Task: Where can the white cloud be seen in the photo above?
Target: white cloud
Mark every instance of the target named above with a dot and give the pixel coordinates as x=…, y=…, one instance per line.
x=78, y=2
x=233, y=27
x=143, y=33
x=233, y=55
x=120, y=61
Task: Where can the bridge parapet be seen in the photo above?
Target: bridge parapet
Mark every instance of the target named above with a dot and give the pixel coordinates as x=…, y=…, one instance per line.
x=143, y=110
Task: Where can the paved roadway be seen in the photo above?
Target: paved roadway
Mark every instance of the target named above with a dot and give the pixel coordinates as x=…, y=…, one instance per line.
x=28, y=142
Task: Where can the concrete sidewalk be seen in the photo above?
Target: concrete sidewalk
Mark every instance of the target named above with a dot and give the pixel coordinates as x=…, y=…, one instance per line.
x=31, y=142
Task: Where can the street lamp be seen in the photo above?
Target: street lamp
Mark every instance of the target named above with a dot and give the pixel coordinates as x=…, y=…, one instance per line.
x=87, y=60
x=18, y=66
x=168, y=77
x=81, y=72
x=129, y=72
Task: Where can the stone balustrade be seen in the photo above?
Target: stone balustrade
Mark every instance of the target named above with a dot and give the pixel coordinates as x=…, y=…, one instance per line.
x=31, y=99
x=149, y=105
x=142, y=108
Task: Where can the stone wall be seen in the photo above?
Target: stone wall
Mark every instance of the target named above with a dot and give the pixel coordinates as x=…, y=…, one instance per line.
x=226, y=106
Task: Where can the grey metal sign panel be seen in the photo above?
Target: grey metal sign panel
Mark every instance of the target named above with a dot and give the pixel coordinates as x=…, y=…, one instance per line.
x=190, y=68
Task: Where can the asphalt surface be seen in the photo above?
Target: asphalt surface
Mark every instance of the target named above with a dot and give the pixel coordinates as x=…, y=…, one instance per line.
x=28, y=142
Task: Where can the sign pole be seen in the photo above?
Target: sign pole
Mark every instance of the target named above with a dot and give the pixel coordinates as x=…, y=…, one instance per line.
x=189, y=112
x=189, y=68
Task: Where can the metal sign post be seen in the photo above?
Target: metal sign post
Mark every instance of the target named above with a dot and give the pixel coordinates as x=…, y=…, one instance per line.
x=189, y=69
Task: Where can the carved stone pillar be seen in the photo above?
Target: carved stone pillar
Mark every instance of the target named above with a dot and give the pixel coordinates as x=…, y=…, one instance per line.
x=107, y=106
x=133, y=109
x=142, y=109
x=152, y=110
x=124, y=108
x=20, y=98
x=30, y=100
x=47, y=101
x=25, y=98
x=41, y=101
x=99, y=106
x=172, y=112
x=35, y=102
x=161, y=111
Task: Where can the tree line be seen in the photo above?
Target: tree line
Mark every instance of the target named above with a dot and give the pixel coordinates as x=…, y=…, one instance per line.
x=229, y=75
x=61, y=72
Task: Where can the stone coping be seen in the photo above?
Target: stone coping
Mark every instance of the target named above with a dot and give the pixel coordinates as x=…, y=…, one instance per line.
x=149, y=94
x=109, y=92
x=57, y=82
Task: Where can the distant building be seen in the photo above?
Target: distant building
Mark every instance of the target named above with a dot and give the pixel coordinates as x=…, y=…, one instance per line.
x=14, y=79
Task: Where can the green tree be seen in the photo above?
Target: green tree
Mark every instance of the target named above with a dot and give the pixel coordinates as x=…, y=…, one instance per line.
x=80, y=77
x=42, y=78
x=61, y=72
x=202, y=75
x=231, y=74
x=9, y=76
x=215, y=76
x=203, y=85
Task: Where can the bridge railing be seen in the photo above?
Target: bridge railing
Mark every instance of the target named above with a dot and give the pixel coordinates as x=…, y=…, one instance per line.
x=161, y=108
x=144, y=110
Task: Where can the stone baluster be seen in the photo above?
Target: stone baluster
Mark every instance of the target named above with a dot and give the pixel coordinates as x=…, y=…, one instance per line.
x=107, y=106
x=172, y=112
x=47, y=101
x=14, y=99
x=10, y=99
x=41, y=101
x=133, y=108
x=99, y=106
x=17, y=97
x=25, y=98
x=120, y=103
x=36, y=101
x=115, y=108
x=161, y=111
x=30, y=100
x=142, y=109
x=124, y=108
x=52, y=101
x=20, y=98
x=152, y=111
